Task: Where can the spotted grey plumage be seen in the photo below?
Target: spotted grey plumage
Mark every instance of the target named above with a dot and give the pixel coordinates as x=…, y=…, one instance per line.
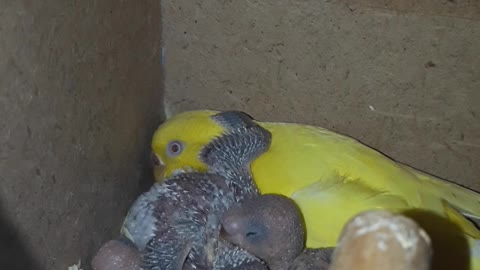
x=177, y=222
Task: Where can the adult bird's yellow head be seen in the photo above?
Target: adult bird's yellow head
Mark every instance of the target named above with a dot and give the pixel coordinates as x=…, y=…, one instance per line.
x=177, y=142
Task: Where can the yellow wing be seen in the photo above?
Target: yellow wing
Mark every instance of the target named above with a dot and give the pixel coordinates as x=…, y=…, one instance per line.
x=301, y=155
x=328, y=204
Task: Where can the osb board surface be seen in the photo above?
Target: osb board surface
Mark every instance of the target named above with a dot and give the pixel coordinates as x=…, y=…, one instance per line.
x=401, y=78
x=79, y=98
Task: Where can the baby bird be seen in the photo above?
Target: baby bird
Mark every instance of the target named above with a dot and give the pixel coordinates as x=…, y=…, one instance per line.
x=176, y=223
x=271, y=227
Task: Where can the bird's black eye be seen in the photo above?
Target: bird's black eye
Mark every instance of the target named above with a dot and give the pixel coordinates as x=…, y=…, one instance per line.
x=250, y=234
x=174, y=148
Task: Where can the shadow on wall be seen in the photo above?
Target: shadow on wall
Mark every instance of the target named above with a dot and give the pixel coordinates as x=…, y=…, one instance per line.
x=14, y=254
x=450, y=247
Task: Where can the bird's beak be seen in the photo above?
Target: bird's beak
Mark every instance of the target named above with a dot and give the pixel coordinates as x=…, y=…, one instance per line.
x=158, y=173
x=228, y=237
x=158, y=168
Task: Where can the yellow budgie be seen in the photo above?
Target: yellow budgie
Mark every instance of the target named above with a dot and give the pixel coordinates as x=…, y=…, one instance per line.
x=330, y=176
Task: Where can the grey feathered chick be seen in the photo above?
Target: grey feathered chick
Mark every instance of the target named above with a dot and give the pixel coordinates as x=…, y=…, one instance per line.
x=176, y=224
x=271, y=227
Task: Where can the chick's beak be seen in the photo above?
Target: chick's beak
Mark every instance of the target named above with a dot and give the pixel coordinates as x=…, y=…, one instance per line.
x=158, y=168
x=228, y=229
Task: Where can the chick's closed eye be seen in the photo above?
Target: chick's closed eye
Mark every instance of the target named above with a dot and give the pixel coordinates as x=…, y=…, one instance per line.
x=256, y=232
x=244, y=230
